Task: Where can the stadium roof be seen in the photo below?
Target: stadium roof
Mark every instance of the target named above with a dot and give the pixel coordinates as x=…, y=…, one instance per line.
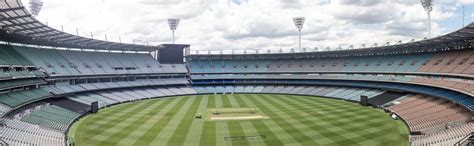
x=460, y=39
x=17, y=25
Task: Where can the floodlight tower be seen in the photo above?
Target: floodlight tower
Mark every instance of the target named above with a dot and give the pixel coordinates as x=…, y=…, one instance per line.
x=173, y=23
x=35, y=6
x=299, y=21
x=428, y=5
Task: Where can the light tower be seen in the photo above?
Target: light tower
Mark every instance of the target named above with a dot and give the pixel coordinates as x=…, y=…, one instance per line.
x=35, y=7
x=173, y=23
x=299, y=21
x=428, y=5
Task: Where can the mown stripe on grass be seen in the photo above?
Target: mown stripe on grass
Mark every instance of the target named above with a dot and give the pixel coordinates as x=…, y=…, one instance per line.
x=195, y=132
x=208, y=137
x=290, y=118
x=140, y=132
x=99, y=125
x=234, y=127
x=337, y=122
x=221, y=126
x=281, y=130
x=151, y=133
x=349, y=125
x=249, y=126
x=145, y=122
x=183, y=128
x=312, y=122
x=165, y=133
x=121, y=130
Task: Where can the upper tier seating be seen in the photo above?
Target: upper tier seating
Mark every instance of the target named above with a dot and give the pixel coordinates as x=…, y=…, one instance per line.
x=71, y=63
x=453, y=62
x=9, y=57
x=14, y=65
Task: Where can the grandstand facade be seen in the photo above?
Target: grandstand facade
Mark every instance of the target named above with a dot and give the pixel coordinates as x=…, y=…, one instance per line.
x=429, y=84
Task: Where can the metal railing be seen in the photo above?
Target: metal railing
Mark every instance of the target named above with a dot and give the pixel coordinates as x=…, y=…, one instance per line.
x=466, y=141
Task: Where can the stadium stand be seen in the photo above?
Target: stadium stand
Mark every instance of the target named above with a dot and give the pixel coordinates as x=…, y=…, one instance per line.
x=443, y=87
x=51, y=116
x=44, y=90
x=74, y=63
x=447, y=137
x=15, y=99
x=109, y=92
x=407, y=63
x=427, y=114
x=16, y=132
x=332, y=92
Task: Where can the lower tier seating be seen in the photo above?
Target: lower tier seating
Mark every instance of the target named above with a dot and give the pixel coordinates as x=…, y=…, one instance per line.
x=16, y=132
x=458, y=98
x=51, y=116
x=63, y=89
x=119, y=96
x=15, y=99
x=425, y=113
x=4, y=109
x=447, y=137
x=336, y=92
x=423, y=105
x=461, y=85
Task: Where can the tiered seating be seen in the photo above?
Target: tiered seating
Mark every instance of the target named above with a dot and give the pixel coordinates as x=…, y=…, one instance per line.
x=63, y=89
x=118, y=96
x=51, y=116
x=62, y=62
x=4, y=109
x=11, y=58
x=453, y=62
x=21, y=133
x=18, y=98
x=423, y=113
x=447, y=137
x=333, y=92
x=456, y=62
x=20, y=83
x=387, y=63
x=13, y=65
x=460, y=85
x=49, y=60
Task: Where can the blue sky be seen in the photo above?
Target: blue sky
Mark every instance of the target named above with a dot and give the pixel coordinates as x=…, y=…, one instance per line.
x=455, y=22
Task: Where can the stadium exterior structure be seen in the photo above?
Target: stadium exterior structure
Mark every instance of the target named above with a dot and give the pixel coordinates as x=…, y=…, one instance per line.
x=36, y=82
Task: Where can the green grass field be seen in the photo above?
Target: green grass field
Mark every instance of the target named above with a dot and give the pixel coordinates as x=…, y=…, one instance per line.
x=293, y=120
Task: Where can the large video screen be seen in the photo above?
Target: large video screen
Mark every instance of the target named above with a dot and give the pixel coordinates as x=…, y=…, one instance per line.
x=172, y=54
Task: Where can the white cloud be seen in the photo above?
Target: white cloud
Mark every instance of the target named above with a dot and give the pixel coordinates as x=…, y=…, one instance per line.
x=249, y=24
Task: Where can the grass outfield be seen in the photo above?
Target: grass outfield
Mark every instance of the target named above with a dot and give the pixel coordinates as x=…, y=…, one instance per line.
x=294, y=120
